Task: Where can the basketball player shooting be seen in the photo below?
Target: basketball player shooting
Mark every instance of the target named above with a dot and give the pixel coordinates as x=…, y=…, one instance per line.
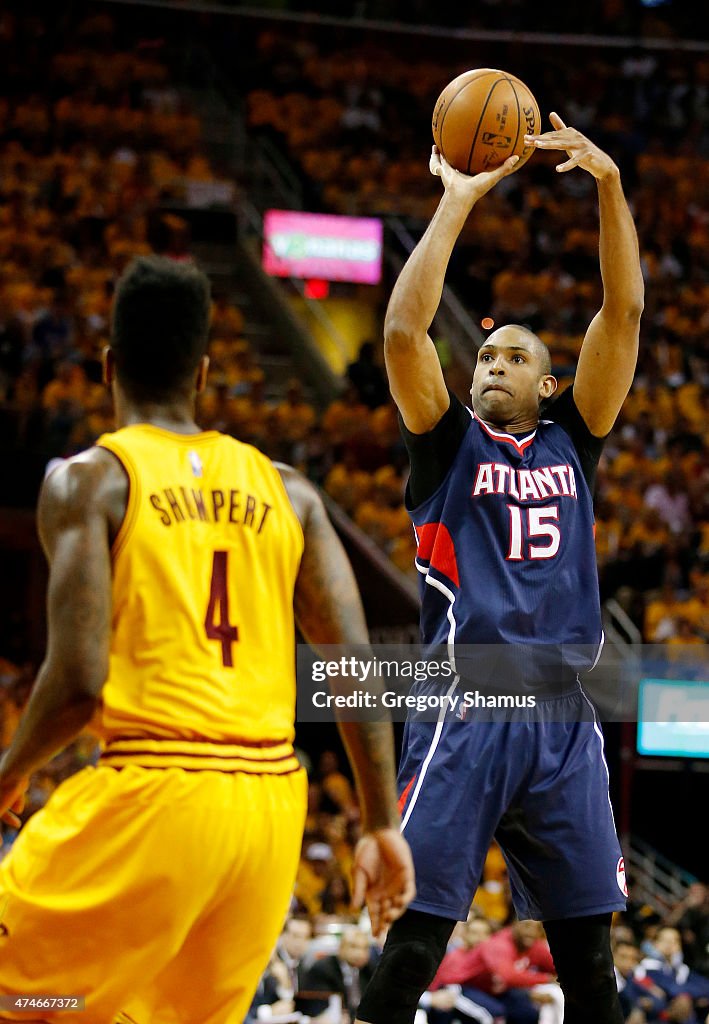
x=156, y=883
x=501, y=500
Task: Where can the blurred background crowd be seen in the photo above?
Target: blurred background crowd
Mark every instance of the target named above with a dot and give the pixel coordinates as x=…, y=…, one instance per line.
x=98, y=146
x=492, y=971
x=96, y=141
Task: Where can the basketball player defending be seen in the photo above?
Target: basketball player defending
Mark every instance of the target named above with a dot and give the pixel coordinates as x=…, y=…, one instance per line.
x=501, y=503
x=156, y=883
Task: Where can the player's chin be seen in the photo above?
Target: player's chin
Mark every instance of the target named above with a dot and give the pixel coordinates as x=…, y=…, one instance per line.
x=493, y=404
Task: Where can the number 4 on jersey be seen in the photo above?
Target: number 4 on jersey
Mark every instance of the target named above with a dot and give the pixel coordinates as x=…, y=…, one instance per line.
x=216, y=621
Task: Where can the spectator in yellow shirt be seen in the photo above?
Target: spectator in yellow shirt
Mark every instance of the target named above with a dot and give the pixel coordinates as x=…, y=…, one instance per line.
x=346, y=417
x=661, y=616
x=294, y=416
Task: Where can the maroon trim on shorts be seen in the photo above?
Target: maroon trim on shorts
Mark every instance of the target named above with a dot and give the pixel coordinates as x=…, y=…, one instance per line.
x=196, y=739
x=194, y=753
x=221, y=771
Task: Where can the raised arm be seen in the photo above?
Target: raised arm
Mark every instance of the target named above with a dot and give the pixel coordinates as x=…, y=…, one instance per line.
x=415, y=375
x=609, y=352
x=328, y=611
x=74, y=531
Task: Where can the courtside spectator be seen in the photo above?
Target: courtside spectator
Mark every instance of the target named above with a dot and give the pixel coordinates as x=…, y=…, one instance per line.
x=346, y=974
x=668, y=971
x=283, y=979
x=641, y=1000
x=514, y=966
x=691, y=918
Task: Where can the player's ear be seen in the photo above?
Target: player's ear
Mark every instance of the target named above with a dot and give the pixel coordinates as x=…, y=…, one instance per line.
x=108, y=365
x=547, y=386
x=202, y=372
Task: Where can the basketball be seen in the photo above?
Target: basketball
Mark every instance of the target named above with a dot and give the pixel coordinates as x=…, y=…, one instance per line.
x=481, y=118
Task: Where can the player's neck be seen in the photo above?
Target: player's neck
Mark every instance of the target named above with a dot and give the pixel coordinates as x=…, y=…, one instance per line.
x=523, y=425
x=177, y=416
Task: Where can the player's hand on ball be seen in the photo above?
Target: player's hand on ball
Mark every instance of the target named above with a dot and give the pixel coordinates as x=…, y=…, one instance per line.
x=580, y=150
x=383, y=875
x=12, y=802
x=468, y=187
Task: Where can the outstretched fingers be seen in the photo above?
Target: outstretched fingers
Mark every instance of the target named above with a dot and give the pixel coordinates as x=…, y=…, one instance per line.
x=569, y=164
x=556, y=121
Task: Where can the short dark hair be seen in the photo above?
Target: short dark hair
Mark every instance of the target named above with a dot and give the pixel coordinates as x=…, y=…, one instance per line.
x=540, y=347
x=160, y=326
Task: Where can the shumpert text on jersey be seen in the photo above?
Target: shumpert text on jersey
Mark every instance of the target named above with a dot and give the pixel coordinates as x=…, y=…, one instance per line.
x=189, y=504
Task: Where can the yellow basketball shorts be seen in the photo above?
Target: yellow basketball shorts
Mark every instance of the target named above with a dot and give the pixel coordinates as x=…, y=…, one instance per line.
x=156, y=892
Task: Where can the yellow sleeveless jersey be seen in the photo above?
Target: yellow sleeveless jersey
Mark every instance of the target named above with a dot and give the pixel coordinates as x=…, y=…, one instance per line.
x=202, y=662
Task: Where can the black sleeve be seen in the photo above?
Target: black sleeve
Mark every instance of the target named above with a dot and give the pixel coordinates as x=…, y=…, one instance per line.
x=432, y=454
x=564, y=411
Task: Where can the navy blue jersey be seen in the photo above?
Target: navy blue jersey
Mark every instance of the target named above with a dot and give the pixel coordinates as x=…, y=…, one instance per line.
x=507, y=564
x=505, y=542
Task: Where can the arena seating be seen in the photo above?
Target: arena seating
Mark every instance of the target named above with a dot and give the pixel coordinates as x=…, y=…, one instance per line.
x=102, y=141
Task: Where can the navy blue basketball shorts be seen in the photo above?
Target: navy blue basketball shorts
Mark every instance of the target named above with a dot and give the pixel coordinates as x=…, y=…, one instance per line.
x=538, y=784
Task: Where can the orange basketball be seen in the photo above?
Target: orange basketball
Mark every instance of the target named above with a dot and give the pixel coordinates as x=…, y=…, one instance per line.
x=481, y=118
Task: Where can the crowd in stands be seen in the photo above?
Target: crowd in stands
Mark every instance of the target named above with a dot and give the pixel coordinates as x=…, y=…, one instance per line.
x=495, y=968
x=90, y=154
x=95, y=140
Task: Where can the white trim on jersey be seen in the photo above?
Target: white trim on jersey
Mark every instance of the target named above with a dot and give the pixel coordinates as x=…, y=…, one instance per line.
x=433, y=582
x=500, y=435
x=456, y=679
x=599, y=733
x=599, y=651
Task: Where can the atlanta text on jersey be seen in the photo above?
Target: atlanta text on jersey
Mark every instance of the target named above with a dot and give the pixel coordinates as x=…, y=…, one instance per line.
x=525, y=484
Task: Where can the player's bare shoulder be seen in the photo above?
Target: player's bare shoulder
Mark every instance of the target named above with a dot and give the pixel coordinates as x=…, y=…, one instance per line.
x=302, y=494
x=91, y=483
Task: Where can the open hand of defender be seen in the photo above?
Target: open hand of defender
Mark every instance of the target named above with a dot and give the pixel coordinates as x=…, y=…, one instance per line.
x=468, y=187
x=383, y=874
x=581, y=151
